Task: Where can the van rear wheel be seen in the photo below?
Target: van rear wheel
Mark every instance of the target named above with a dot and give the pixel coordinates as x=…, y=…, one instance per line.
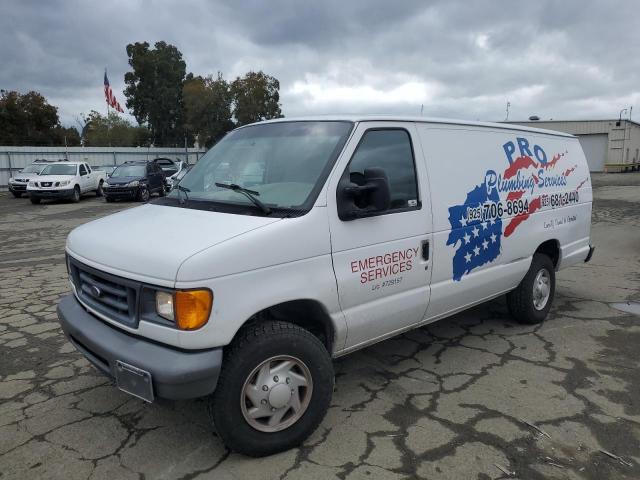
x=274, y=389
x=531, y=301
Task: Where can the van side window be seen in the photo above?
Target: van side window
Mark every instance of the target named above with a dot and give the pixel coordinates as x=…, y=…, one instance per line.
x=390, y=150
x=88, y=168
x=83, y=171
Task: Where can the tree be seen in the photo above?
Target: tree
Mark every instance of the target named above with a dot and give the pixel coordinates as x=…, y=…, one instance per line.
x=28, y=119
x=207, y=105
x=112, y=131
x=256, y=97
x=67, y=136
x=154, y=90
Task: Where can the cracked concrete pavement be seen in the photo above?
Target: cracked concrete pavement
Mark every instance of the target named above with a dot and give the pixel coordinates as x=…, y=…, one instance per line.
x=475, y=396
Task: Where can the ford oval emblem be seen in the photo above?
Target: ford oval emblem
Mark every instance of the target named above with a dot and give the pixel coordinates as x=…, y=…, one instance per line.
x=95, y=291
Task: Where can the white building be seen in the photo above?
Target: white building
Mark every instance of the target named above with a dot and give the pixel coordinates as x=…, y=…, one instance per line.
x=609, y=145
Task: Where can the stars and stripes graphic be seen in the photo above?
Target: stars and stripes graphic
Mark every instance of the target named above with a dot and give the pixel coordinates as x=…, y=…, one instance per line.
x=109, y=96
x=477, y=237
x=476, y=242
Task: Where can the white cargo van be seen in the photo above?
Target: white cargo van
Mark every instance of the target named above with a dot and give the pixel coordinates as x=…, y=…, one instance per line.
x=306, y=240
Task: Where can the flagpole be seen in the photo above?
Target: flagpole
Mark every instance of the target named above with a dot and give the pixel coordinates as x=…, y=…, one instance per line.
x=107, y=101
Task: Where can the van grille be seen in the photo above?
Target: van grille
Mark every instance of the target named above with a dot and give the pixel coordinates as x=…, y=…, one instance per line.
x=114, y=297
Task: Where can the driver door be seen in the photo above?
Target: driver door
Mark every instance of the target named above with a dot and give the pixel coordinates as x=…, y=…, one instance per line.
x=85, y=180
x=382, y=262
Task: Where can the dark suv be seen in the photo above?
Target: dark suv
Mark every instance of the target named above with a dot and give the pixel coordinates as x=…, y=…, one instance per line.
x=134, y=180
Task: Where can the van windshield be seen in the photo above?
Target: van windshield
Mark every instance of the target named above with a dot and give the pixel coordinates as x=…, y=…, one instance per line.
x=284, y=164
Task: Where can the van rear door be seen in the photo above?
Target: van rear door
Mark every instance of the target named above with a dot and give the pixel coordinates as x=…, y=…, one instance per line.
x=382, y=262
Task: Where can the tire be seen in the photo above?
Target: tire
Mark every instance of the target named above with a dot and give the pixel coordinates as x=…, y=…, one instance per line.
x=109, y=199
x=143, y=194
x=17, y=194
x=527, y=306
x=76, y=194
x=99, y=191
x=280, y=343
x=35, y=200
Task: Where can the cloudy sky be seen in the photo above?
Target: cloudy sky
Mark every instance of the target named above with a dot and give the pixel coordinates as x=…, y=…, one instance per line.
x=466, y=59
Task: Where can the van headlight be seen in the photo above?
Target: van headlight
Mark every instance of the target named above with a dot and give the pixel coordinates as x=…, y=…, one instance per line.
x=64, y=183
x=190, y=309
x=164, y=305
x=135, y=183
x=32, y=184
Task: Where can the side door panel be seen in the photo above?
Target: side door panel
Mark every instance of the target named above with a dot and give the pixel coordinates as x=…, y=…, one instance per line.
x=382, y=277
x=151, y=176
x=491, y=190
x=84, y=177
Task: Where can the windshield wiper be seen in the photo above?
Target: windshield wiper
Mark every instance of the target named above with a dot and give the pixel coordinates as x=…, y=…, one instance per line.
x=184, y=190
x=250, y=194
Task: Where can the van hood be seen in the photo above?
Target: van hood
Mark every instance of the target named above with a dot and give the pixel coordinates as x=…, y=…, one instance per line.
x=150, y=242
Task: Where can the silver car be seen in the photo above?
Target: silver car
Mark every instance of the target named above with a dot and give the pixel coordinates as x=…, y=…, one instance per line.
x=18, y=184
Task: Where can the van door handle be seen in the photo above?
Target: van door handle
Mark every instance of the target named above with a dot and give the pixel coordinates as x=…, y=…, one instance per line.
x=425, y=249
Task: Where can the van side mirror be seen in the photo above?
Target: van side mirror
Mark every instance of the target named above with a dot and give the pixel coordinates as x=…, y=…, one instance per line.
x=370, y=198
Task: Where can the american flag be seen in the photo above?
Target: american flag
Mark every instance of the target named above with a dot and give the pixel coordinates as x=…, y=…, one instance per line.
x=109, y=96
x=476, y=242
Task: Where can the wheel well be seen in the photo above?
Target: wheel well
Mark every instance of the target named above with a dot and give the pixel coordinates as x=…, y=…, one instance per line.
x=308, y=314
x=550, y=248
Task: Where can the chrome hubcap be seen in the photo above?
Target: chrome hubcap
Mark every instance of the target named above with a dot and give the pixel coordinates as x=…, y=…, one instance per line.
x=276, y=393
x=541, y=289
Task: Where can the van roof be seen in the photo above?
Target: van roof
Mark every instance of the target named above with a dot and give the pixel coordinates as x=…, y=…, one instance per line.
x=414, y=119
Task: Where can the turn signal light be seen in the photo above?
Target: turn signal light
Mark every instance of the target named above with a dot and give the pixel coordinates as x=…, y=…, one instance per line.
x=192, y=308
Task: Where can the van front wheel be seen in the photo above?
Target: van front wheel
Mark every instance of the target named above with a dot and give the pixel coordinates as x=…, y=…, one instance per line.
x=531, y=301
x=274, y=389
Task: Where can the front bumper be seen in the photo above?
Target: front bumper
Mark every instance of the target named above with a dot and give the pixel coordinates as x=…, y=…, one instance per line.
x=59, y=193
x=121, y=192
x=18, y=187
x=176, y=374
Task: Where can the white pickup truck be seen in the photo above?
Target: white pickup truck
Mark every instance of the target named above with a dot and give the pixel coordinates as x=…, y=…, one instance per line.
x=66, y=180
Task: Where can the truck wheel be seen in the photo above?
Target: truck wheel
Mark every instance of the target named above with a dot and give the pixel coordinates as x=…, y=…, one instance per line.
x=35, y=200
x=143, y=194
x=109, y=199
x=99, y=191
x=530, y=302
x=16, y=194
x=76, y=194
x=274, y=389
